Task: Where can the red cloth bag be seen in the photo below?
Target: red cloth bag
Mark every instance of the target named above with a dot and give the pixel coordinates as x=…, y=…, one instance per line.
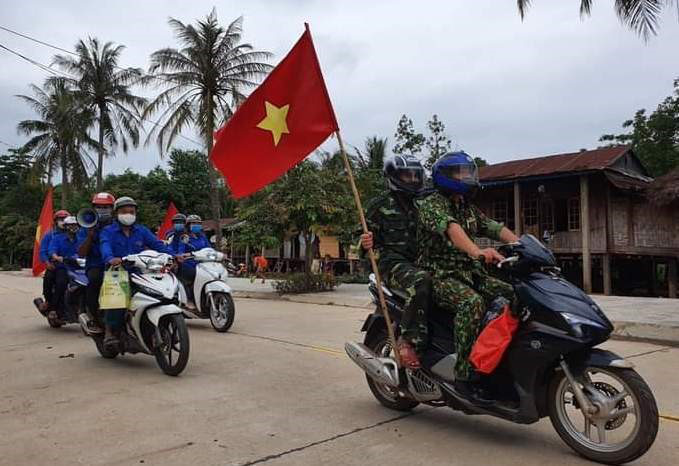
x=493, y=341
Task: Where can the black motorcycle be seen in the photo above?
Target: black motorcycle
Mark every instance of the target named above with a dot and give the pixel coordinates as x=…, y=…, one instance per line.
x=595, y=400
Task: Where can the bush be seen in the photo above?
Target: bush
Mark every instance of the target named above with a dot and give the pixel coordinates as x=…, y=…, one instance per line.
x=356, y=278
x=302, y=283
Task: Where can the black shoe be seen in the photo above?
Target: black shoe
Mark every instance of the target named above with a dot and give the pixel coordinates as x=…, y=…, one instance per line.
x=473, y=392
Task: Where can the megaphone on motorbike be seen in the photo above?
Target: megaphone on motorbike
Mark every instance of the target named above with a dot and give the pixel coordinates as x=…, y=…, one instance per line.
x=87, y=217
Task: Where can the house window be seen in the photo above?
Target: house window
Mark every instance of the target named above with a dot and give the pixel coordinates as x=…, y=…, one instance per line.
x=530, y=212
x=547, y=215
x=500, y=210
x=574, y=214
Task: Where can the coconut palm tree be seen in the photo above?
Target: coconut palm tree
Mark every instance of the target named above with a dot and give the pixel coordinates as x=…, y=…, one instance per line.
x=60, y=137
x=372, y=157
x=203, y=81
x=641, y=16
x=107, y=88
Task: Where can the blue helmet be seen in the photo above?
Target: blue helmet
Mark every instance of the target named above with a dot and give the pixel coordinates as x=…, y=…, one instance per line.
x=456, y=173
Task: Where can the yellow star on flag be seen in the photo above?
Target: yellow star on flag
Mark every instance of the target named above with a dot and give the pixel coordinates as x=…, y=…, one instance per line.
x=275, y=121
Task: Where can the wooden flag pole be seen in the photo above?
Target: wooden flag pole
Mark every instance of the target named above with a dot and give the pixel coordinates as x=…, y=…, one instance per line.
x=371, y=254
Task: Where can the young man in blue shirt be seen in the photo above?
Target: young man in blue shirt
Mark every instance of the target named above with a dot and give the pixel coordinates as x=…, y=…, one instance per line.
x=124, y=237
x=62, y=246
x=102, y=203
x=195, y=241
x=43, y=305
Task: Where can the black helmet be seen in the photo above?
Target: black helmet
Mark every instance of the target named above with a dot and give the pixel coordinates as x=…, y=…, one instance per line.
x=404, y=174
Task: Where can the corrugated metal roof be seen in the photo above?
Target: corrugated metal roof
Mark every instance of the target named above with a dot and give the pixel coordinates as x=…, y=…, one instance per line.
x=582, y=161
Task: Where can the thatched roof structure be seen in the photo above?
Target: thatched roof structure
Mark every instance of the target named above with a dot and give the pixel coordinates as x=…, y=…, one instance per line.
x=665, y=189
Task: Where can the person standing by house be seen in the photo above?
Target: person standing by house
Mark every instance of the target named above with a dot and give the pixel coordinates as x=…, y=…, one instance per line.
x=261, y=265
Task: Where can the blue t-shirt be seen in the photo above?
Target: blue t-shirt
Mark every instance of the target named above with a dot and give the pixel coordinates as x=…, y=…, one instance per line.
x=93, y=258
x=63, y=246
x=44, y=246
x=114, y=243
x=194, y=243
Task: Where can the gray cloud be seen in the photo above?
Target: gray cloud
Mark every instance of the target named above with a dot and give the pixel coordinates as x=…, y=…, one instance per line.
x=504, y=88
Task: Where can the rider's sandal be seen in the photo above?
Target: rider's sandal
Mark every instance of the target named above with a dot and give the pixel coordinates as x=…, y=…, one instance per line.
x=407, y=355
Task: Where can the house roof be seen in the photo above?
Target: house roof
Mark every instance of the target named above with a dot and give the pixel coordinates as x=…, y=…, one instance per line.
x=583, y=161
x=665, y=189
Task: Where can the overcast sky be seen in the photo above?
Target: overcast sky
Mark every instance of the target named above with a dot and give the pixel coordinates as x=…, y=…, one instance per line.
x=505, y=89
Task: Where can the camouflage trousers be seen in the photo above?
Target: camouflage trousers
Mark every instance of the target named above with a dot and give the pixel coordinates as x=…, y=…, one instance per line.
x=417, y=285
x=469, y=303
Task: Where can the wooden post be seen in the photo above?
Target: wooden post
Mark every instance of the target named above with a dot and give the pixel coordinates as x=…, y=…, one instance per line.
x=606, y=261
x=371, y=254
x=517, y=208
x=584, y=227
x=672, y=277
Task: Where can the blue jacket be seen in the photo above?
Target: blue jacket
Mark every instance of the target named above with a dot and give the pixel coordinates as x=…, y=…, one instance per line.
x=44, y=246
x=63, y=246
x=114, y=243
x=93, y=258
x=195, y=243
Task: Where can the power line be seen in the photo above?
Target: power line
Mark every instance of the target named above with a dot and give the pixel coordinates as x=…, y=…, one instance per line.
x=66, y=75
x=3, y=142
x=36, y=40
x=47, y=44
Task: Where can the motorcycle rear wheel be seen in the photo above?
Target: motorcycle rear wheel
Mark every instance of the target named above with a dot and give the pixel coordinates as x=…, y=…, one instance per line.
x=172, y=353
x=378, y=342
x=630, y=403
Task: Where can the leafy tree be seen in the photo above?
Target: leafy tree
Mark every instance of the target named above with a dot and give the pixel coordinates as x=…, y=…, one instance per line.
x=373, y=155
x=265, y=220
x=654, y=137
x=642, y=16
x=107, y=89
x=189, y=174
x=480, y=162
x=408, y=141
x=438, y=142
x=204, y=81
x=15, y=168
x=60, y=137
x=16, y=241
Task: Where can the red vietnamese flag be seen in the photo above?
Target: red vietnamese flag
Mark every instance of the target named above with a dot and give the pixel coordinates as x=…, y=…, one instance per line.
x=284, y=119
x=167, y=221
x=44, y=225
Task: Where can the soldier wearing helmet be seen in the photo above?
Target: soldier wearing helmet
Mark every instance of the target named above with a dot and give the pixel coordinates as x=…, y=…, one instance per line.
x=102, y=203
x=43, y=305
x=392, y=221
x=449, y=225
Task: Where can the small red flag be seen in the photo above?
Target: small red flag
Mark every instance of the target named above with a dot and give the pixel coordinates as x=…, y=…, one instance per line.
x=283, y=120
x=44, y=225
x=167, y=221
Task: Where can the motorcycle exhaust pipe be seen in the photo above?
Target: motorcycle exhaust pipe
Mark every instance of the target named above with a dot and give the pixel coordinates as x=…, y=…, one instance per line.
x=382, y=370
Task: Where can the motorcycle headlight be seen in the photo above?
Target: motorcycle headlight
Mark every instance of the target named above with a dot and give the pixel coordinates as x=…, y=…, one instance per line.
x=577, y=322
x=148, y=291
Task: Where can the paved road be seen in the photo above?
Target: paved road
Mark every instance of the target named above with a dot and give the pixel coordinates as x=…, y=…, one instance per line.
x=276, y=390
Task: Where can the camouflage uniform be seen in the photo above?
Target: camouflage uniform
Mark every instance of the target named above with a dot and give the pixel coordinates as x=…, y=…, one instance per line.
x=392, y=219
x=461, y=284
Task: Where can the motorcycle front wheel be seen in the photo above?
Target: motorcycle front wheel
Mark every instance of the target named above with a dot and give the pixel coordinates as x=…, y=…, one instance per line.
x=379, y=343
x=172, y=352
x=625, y=424
x=223, y=312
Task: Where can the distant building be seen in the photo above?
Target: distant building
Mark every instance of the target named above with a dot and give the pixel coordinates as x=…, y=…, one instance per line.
x=597, y=211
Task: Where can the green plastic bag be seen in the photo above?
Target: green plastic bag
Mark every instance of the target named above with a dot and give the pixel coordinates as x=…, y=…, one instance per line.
x=115, y=290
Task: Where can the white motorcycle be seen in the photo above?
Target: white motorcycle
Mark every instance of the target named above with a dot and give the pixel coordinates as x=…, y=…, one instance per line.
x=154, y=323
x=212, y=297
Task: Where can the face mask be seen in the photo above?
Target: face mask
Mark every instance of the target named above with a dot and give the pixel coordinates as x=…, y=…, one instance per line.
x=179, y=227
x=196, y=228
x=60, y=224
x=127, y=219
